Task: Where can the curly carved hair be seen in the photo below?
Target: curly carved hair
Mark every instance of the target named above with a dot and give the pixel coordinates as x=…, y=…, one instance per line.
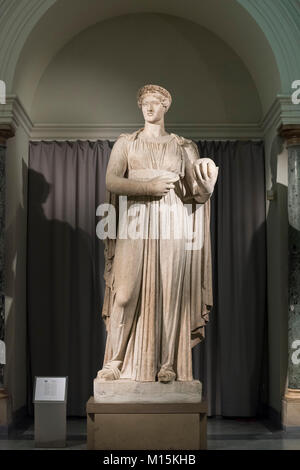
x=166, y=98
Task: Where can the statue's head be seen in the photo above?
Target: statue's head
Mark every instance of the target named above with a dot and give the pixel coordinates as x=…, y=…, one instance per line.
x=154, y=101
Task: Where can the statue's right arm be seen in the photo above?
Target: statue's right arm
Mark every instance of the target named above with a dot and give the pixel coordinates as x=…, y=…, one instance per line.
x=117, y=166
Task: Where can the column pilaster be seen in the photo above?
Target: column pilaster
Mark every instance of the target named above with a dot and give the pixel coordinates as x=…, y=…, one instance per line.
x=291, y=400
x=6, y=132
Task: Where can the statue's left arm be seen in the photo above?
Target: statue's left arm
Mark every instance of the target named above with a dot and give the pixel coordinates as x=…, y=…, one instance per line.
x=201, y=173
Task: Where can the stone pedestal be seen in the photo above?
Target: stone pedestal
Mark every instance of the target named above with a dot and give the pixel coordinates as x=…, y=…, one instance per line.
x=146, y=426
x=291, y=410
x=130, y=415
x=130, y=391
x=5, y=412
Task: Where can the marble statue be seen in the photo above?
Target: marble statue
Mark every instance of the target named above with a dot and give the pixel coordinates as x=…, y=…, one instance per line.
x=158, y=288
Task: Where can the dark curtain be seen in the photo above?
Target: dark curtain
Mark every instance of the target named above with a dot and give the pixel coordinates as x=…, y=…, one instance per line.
x=66, y=335
x=232, y=362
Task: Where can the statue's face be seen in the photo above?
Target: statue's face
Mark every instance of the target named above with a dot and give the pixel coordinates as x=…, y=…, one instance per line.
x=152, y=107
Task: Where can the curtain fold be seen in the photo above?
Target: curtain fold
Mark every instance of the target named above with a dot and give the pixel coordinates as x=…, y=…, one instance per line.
x=232, y=360
x=65, y=286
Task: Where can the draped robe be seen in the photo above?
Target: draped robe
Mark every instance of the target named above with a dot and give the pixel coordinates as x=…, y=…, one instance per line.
x=163, y=284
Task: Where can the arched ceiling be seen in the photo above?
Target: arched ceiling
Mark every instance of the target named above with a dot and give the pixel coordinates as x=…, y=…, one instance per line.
x=104, y=65
x=57, y=22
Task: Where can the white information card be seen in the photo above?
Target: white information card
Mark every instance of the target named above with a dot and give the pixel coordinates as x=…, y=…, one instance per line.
x=50, y=388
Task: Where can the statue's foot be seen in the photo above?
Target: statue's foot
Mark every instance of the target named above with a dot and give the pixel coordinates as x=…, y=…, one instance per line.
x=166, y=375
x=109, y=373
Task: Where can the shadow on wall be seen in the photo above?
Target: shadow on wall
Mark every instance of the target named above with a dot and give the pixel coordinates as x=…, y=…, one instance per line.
x=65, y=333
x=15, y=292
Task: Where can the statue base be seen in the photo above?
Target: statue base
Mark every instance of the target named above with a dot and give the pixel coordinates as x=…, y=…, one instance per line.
x=5, y=412
x=291, y=410
x=130, y=391
x=146, y=426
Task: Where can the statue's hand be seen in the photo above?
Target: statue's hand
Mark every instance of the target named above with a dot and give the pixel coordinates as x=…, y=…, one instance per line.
x=206, y=174
x=160, y=185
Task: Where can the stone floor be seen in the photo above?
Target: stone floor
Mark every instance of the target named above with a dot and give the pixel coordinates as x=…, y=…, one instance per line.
x=223, y=434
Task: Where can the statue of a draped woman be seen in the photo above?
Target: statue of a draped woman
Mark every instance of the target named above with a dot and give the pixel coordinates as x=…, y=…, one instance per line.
x=158, y=286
